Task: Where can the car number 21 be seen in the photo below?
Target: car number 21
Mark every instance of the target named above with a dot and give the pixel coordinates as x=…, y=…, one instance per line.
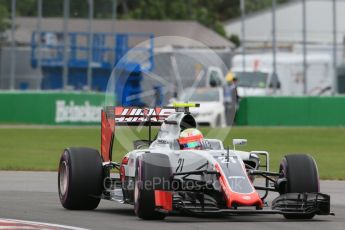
x=230, y=159
x=180, y=163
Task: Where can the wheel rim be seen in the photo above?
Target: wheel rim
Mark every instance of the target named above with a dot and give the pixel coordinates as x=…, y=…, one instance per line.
x=63, y=179
x=136, y=191
x=137, y=187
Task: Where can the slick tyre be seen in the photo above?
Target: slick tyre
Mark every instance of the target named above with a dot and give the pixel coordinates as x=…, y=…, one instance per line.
x=80, y=178
x=301, y=175
x=149, y=167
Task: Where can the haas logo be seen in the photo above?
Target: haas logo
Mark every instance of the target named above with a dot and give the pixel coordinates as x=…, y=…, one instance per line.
x=141, y=114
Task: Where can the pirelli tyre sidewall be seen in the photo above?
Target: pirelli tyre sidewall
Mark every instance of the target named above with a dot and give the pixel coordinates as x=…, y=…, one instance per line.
x=301, y=173
x=150, y=166
x=80, y=178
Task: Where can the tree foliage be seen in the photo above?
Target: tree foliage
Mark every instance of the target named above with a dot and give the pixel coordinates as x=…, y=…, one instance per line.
x=210, y=13
x=3, y=18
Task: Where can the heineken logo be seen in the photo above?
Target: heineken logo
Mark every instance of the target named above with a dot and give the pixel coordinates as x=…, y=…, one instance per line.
x=72, y=112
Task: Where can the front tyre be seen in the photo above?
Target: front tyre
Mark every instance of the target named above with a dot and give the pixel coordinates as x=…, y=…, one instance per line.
x=80, y=178
x=150, y=169
x=301, y=175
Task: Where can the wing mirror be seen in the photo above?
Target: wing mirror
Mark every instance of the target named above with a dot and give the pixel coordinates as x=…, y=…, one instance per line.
x=239, y=142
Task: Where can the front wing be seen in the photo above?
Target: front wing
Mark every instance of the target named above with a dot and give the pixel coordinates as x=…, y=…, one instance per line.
x=290, y=203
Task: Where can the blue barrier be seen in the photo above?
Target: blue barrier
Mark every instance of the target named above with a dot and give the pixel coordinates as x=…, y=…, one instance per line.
x=108, y=50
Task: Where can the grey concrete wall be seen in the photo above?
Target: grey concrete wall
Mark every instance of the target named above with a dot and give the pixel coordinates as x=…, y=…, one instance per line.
x=186, y=60
x=24, y=73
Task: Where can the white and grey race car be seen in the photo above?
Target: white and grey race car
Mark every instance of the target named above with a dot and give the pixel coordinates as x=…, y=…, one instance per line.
x=159, y=178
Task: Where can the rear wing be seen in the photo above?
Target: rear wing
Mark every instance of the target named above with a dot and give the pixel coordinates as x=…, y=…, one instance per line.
x=128, y=116
x=133, y=116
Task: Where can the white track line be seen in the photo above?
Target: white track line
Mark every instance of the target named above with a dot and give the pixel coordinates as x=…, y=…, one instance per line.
x=42, y=225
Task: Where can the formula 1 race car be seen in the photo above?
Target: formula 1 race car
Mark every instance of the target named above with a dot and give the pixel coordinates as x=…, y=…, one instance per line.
x=159, y=178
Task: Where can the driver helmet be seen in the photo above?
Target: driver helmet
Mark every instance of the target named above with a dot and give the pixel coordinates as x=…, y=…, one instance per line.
x=190, y=139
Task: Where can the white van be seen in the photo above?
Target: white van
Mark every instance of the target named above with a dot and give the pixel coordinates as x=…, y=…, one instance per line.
x=257, y=79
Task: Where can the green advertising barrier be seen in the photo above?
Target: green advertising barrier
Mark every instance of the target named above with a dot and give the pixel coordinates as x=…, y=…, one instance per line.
x=51, y=108
x=292, y=111
x=58, y=108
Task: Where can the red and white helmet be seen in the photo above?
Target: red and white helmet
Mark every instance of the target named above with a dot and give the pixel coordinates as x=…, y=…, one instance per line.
x=191, y=139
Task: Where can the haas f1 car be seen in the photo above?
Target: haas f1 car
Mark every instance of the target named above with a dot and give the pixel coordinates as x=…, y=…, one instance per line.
x=160, y=178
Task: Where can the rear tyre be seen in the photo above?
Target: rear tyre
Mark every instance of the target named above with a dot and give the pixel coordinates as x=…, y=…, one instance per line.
x=80, y=178
x=301, y=173
x=151, y=168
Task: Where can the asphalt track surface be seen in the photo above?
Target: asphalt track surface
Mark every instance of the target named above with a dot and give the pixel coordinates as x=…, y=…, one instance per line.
x=32, y=196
